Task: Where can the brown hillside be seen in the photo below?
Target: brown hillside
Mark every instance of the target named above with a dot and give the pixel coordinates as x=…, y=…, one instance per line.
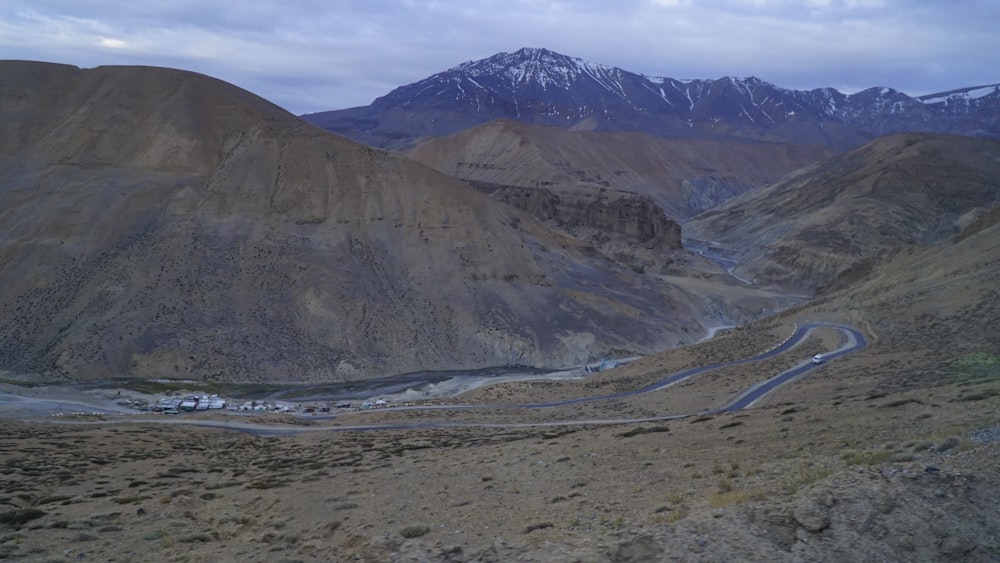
x=814, y=225
x=684, y=177
x=159, y=223
x=886, y=454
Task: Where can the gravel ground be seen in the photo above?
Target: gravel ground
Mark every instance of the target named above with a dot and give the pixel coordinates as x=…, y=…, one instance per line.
x=986, y=435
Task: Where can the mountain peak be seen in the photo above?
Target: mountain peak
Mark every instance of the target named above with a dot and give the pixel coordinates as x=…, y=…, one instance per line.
x=537, y=85
x=532, y=65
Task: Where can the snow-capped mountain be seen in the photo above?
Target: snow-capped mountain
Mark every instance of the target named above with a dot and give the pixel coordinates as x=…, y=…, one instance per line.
x=541, y=86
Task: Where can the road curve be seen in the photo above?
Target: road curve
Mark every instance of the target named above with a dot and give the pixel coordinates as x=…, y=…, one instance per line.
x=855, y=342
x=797, y=337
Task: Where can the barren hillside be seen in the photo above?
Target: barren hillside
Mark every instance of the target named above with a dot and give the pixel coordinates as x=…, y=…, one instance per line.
x=683, y=177
x=282, y=246
x=158, y=223
x=897, y=190
x=887, y=454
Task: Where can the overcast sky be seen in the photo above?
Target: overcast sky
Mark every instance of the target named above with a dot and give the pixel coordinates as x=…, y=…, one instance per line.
x=312, y=55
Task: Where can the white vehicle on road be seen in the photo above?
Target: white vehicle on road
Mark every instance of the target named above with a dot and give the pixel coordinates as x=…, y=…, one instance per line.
x=818, y=359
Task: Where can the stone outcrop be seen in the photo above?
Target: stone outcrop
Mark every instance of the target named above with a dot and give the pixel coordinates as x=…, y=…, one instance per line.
x=634, y=217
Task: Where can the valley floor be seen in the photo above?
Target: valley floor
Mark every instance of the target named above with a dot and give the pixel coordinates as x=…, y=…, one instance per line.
x=833, y=466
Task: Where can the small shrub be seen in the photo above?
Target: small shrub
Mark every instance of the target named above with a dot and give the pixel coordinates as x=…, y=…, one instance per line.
x=866, y=458
x=805, y=477
x=900, y=403
x=20, y=517
x=52, y=499
x=730, y=497
x=268, y=483
x=131, y=500
x=947, y=444
x=980, y=396
x=539, y=526
x=643, y=430
x=673, y=516
x=414, y=531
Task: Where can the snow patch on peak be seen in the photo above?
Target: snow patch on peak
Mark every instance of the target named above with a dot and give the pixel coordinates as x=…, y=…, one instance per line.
x=545, y=69
x=533, y=66
x=657, y=79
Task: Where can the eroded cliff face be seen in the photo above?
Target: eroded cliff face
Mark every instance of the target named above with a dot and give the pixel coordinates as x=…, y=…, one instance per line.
x=632, y=216
x=628, y=227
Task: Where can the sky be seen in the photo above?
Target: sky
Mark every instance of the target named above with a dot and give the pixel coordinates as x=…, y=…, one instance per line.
x=315, y=55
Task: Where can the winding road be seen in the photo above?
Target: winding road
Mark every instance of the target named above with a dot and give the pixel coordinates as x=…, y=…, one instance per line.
x=854, y=341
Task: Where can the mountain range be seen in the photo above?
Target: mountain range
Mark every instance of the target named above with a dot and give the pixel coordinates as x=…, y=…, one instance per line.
x=163, y=225
x=160, y=223
x=543, y=87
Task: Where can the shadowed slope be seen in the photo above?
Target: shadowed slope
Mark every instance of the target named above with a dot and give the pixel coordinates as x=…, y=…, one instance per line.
x=897, y=190
x=163, y=223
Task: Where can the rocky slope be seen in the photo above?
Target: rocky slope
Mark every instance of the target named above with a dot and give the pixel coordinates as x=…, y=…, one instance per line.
x=157, y=223
x=826, y=219
x=621, y=192
x=541, y=86
x=888, y=454
x=682, y=177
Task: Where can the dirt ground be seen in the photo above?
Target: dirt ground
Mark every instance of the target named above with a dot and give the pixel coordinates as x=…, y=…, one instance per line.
x=841, y=464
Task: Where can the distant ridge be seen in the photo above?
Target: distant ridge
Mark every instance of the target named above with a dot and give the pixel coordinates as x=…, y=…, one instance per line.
x=541, y=86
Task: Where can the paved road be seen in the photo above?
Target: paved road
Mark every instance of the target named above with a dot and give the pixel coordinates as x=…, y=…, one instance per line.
x=855, y=341
x=798, y=336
